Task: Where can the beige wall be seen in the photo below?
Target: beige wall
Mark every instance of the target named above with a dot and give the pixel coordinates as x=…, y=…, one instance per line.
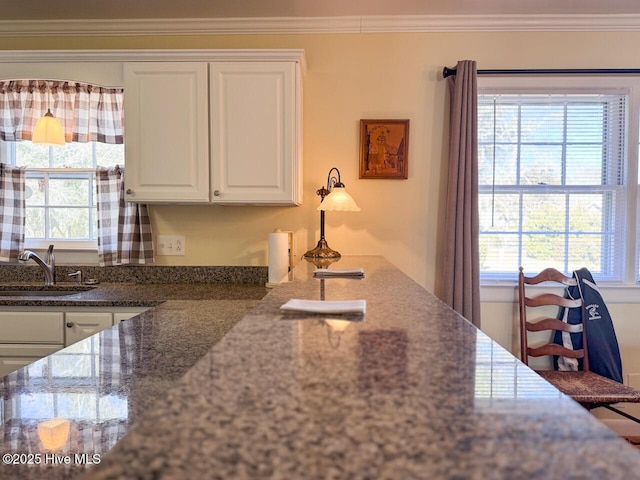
x=349, y=77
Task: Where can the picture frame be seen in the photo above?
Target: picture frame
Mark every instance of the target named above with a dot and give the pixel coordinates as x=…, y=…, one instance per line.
x=384, y=149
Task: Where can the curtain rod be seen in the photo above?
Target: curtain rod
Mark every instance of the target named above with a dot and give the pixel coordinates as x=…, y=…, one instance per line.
x=448, y=72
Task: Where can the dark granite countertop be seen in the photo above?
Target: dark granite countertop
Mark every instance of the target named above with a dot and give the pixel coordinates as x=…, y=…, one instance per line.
x=105, y=383
x=128, y=294
x=410, y=390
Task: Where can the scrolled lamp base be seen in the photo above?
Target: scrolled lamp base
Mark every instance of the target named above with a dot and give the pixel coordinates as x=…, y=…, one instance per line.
x=322, y=250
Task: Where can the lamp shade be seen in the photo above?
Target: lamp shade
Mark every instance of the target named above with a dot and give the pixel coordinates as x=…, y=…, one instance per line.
x=339, y=201
x=48, y=131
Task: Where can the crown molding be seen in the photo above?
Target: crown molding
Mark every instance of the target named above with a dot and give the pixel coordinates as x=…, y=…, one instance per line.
x=307, y=25
x=179, y=26
x=497, y=23
x=160, y=55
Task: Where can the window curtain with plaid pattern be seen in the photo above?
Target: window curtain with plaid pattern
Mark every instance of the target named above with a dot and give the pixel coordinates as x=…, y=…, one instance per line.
x=124, y=230
x=88, y=113
x=12, y=208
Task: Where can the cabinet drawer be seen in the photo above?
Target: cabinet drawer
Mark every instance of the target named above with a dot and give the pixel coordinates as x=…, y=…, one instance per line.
x=81, y=325
x=27, y=350
x=14, y=356
x=31, y=327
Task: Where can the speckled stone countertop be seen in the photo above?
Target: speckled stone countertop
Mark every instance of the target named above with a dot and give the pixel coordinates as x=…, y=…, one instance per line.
x=412, y=390
x=126, y=294
x=409, y=390
x=102, y=385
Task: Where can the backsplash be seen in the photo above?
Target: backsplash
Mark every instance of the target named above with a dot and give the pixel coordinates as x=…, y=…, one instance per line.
x=140, y=274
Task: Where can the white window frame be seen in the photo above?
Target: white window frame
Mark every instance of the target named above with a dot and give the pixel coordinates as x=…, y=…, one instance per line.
x=7, y=155
x=628, y=84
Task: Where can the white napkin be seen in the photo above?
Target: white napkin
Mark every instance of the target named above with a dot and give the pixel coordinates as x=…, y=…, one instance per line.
x=325, y=306
x=337, y=272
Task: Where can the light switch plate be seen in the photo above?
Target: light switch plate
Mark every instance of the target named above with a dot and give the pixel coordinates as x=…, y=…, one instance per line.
x=170, y=245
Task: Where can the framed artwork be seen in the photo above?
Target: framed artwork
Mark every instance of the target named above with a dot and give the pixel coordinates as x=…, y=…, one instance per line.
x=384, y=148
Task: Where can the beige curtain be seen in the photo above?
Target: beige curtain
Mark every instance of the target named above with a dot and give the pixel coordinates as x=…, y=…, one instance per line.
x=461, y=262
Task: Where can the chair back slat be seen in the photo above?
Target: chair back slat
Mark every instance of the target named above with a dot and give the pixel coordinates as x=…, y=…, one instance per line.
x=552, y=299
x=554, y=349
x=553, y=324
x=551, y=275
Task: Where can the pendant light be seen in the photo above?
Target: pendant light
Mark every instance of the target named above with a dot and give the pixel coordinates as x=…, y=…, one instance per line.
x=48, y=129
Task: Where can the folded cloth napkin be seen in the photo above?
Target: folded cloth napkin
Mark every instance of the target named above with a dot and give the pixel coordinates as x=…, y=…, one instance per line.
x=337, y=272
x=325, y=306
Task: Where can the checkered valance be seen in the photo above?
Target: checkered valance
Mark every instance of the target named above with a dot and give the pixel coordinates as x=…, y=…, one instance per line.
x=88, y=113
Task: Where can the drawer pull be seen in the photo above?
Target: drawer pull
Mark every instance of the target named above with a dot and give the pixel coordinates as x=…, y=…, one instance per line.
x=69, y=324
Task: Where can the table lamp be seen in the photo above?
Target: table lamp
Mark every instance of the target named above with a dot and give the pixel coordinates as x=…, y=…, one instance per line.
x=333, y=198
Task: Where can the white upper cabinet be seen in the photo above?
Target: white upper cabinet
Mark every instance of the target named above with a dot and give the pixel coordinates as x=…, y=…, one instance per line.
x=226, y=131
x=167, y=134
x=254, y=133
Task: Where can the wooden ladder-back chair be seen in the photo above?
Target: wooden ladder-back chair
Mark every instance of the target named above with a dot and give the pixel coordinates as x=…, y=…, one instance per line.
x=584, y=386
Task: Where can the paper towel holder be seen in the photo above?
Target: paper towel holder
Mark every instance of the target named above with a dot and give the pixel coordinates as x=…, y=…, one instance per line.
x=290, y=260
x=333, y=198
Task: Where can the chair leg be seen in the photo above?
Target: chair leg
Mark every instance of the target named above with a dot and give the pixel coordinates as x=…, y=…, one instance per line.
x=620, y=412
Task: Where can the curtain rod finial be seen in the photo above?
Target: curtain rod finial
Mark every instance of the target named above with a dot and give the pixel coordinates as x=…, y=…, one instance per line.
x=448, y=72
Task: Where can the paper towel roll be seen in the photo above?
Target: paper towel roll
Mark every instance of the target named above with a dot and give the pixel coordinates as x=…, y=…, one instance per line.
x=278, y=257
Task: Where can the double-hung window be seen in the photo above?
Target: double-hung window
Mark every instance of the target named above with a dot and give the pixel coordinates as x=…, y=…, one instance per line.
x=60, y=190
x=552, y=180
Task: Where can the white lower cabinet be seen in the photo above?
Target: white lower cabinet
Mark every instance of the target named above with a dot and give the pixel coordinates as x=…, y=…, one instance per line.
x=28, y=335
x=14, y=357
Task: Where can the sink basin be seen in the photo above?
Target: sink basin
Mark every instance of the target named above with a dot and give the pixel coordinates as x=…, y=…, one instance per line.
x=30, y=291
x=37, y=293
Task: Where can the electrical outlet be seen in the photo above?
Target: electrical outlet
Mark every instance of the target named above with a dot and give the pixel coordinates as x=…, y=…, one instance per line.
x=170, y=245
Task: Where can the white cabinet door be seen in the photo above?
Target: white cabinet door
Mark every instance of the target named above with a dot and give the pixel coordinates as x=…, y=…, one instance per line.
x=80, y=325
x=166, y=143
x=254, y=133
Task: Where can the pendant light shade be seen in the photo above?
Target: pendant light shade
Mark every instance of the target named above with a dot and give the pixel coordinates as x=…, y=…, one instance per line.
x=48, y=131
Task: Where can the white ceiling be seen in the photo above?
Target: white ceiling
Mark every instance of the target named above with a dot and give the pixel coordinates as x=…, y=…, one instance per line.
x=138, y=9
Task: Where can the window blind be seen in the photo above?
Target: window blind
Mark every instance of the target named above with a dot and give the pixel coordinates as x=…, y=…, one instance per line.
x=551, y=183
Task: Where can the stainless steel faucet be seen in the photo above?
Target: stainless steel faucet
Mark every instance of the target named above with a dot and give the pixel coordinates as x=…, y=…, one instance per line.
x=48, y=265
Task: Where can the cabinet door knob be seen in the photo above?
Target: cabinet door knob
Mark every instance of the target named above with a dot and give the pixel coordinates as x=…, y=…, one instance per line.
x=69, y=324
x=129, y=191
x=216, y=193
